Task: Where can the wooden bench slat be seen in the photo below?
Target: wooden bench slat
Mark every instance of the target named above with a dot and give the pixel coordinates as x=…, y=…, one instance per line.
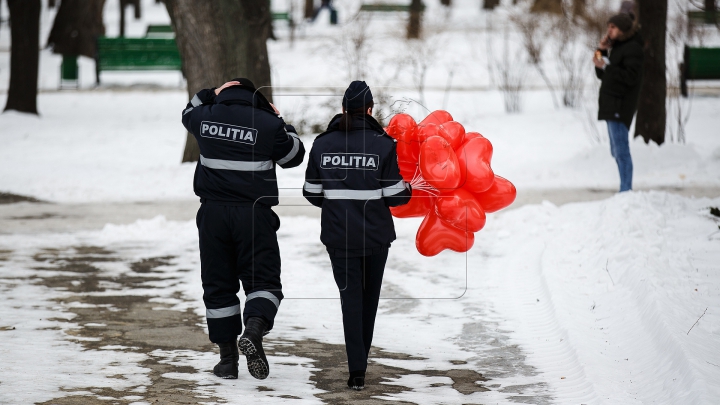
x=387, y=7
x=703, y=63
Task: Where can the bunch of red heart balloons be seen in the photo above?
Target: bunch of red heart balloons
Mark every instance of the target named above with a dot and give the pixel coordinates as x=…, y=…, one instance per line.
x=453, y=184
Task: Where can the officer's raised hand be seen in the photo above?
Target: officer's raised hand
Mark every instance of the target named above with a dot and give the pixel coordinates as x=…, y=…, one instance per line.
x=226, y=85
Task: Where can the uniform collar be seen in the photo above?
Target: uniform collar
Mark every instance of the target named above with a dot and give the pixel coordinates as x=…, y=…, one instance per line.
x=359, y=122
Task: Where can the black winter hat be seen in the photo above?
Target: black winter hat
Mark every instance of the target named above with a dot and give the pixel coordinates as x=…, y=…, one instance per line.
x=245, y=82
x=623, y=21
x=357, y=95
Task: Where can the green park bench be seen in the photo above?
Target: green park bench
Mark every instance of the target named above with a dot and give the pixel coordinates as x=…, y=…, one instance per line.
x=703, y=17
x=283, y=16
x=159, y=31
x=699, y=64
x=387, y=7
x=125, y=54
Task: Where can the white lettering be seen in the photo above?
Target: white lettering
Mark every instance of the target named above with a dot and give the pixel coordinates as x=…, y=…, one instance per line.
x=248, y=136
x=213, y=130
x=336, y=160
x=235, y=131
x=220, y=132
x=357, y=161
x=364, y=159
x=344, y=163
x=204, y=127
x=371, y=162
x=326, y=160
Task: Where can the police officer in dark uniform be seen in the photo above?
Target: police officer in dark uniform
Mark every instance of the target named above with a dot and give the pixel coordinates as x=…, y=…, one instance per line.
x=353, y=176
x=241, y=137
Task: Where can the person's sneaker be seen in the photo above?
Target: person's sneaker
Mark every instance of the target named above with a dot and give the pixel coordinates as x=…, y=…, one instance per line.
x=250, y=344
x=228, y=366
x=356, y=380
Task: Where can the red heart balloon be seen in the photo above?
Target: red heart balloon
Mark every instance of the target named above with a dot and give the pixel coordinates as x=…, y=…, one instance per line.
x=408, y=151
x=434, y=236
x=453, y=132
x=420, y=204
x=500, y=195
x=437, y=117
x=471, y=135
x=477, y=174
x=407, y=169
x=460, y=209
x=481, y=146
x=438, y=164
x=403, y=128
x=426, y=131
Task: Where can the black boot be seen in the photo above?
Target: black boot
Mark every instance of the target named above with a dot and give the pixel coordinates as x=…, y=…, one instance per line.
x=229, y=356
x=250, y=345
x=357, y=380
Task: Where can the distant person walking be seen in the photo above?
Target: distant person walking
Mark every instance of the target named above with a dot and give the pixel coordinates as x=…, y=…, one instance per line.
x=242, y=139
x=618, y=64
x=353, y=175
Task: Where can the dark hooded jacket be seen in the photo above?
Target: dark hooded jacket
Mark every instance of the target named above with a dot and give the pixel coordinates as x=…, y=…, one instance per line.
x=241, y=140
x=621, y=80
x=354, y=177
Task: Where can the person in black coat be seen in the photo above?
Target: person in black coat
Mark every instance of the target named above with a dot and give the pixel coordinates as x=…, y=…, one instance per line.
x=618, y=64
x=353, y=175
x=241, y=138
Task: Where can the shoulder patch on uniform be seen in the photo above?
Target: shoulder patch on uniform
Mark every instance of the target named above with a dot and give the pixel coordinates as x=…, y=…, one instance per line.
x=357, y=161
x=227, y=132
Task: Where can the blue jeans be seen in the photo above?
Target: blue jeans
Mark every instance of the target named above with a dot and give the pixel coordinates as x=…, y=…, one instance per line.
x=620, y=150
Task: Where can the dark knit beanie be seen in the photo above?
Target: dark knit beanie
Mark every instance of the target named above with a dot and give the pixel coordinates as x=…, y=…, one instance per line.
x=245, y=82
x=357, y=95
x=258, y=98
x=623, y=21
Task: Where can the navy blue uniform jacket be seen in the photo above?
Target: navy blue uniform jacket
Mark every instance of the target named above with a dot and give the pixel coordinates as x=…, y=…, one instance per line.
x=354, y=177
x=240, y=143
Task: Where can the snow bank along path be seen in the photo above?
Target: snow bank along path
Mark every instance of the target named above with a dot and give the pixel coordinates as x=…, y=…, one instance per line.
x=602, y=295
x=596, y=299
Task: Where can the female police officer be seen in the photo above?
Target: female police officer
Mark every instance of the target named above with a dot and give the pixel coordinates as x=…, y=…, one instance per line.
x=353, y=176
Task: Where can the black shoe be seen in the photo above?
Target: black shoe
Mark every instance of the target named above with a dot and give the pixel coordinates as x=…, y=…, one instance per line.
x=356, y=380
x=228, y=366
x=250, y=345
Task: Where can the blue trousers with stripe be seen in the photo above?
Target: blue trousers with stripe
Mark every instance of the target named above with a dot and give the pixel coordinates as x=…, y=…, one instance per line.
x=238, y=245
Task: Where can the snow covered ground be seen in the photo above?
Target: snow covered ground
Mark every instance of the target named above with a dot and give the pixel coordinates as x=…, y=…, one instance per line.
x=607, y=302
x=600, y=301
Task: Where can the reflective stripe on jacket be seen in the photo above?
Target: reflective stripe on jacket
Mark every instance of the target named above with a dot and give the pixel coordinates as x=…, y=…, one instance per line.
x=354, y=177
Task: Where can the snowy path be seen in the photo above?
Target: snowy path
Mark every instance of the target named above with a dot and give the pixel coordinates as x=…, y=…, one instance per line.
x=116, y=313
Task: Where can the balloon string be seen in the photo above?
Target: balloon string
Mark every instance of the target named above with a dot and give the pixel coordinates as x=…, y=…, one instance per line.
x=419, y=183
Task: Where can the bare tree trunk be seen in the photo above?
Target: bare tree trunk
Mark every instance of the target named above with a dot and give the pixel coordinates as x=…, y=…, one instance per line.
x=490, y=4
x=309, y=8
x=578, y=8
x=123, y=5
x=24, y=56
x=547, y=6
x=414, y=25
x=710, y=5
x=220, y=40
x=651, y=113
x=77, y=25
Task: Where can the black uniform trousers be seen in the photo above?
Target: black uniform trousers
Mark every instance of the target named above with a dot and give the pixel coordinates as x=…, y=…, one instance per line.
x=359, y=280
x=238, y=244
